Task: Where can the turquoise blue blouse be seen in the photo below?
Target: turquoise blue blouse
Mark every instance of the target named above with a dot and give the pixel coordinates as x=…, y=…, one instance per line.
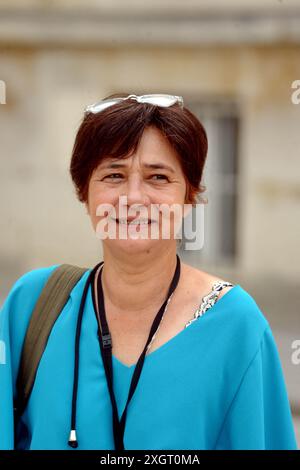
x=217, y=384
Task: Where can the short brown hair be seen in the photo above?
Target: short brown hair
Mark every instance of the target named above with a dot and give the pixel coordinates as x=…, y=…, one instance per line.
x=116, y=131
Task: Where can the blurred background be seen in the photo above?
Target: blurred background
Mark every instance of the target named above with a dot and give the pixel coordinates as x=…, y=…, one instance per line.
x=234, y=62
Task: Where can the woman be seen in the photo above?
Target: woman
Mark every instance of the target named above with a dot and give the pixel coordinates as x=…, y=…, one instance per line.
x=171, y=357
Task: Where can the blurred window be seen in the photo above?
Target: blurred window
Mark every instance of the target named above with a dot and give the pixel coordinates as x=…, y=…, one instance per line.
x=220, y=177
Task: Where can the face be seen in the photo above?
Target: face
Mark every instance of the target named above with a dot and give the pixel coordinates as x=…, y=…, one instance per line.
x=139, y=187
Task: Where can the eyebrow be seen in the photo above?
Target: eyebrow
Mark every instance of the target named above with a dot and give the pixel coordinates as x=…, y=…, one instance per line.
x=154, y=166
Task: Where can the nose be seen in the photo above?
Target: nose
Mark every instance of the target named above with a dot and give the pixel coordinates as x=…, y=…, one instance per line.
x=135, y=190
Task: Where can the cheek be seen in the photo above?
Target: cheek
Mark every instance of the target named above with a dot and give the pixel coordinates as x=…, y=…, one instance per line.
x=97, y=197
x=175, y=194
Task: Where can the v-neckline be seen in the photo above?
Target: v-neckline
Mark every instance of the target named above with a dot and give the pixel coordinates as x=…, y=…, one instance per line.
x=178, y=335
x=174, y=338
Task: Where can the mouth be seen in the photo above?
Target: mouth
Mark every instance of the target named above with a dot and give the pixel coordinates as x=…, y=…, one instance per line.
x=133, y=221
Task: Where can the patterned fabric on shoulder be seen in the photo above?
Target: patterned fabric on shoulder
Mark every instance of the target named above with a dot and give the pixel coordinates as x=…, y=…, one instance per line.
x=209, y=300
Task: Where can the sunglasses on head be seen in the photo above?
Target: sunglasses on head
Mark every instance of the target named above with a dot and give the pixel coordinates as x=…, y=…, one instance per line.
x=159, y=100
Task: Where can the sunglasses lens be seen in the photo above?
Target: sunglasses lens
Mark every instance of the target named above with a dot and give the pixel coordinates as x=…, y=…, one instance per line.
x=100, y=106
x=159, y=100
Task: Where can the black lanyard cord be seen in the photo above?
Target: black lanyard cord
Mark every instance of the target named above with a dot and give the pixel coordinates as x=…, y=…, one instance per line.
x=105, y=343
x=73, y=438
x=106, y=350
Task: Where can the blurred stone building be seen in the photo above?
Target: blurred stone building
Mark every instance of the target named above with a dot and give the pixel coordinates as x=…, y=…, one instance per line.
x=233, y=62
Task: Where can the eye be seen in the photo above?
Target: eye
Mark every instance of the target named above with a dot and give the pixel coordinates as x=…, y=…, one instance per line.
x=112, y=175
x=163, y=176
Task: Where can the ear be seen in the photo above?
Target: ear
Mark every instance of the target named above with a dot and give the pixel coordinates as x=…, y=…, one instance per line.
x=87, y=207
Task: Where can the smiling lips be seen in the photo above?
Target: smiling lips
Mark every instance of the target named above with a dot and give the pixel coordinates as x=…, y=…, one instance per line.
x=133, y=221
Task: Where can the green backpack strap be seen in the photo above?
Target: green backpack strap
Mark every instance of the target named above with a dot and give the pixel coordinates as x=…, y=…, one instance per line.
x=50, y=303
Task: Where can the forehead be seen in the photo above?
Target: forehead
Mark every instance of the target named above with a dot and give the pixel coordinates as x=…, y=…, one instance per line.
x=153, y=152
x=120, y=163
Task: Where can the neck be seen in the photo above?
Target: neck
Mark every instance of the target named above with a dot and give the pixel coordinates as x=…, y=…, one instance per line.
x=133, y=284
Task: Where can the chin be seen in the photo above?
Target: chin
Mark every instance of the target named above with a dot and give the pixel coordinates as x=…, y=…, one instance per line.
x=137, y=246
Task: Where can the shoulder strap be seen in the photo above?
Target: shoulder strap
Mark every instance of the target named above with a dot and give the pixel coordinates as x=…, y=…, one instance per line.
x=47, y=309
